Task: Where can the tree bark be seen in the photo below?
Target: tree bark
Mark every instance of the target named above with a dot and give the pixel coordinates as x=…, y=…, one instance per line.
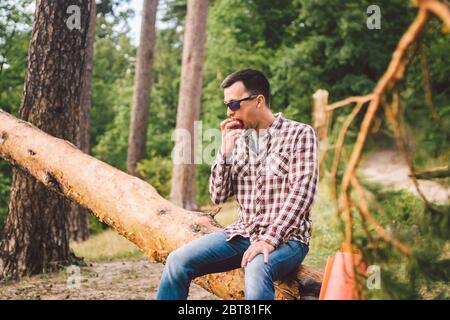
x=142, y=87
x=183, y=174
x=79, y=216
x=35, y=237
x=129, y=205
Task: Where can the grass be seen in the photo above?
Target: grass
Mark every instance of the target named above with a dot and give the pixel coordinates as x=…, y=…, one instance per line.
x=228, y=214
x=326, y=236
x=426, y=162
x=106, y=246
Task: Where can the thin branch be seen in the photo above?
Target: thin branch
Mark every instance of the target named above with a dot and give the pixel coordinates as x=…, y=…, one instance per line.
x=438, y=8
x=350, y=100
x=393, y=118
x=364, y=210
x=427, y=83
x=339, y=145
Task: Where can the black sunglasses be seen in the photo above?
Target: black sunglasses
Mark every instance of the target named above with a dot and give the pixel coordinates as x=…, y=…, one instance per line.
x=236, y=104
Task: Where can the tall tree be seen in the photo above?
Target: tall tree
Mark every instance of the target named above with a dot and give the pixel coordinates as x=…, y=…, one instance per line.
x=35, y=235
x=79, y=216
x=183, y=174
x=142, y=87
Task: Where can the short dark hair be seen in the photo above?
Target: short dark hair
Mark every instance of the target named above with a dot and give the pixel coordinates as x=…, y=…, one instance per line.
x=254, y=81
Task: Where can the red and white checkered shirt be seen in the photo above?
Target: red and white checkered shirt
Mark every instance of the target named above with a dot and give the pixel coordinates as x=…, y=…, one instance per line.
x=274, y=179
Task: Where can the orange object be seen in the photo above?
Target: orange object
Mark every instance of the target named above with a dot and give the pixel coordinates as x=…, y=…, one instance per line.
x=326, y=277
x=339, y=281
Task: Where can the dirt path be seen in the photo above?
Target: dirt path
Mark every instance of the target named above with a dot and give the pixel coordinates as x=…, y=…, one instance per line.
x=388, y=168
x=124, y=280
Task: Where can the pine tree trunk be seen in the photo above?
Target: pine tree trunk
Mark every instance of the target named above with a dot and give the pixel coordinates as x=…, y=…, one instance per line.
x=129, y=205
x=183, y=175
x=142, y=87
x=35, y=235
x=79, y=216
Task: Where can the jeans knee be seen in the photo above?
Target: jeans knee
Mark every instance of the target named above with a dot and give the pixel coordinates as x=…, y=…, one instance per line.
x=178, y=262
x=174, y=261
x=257, y=268
x=258, y=280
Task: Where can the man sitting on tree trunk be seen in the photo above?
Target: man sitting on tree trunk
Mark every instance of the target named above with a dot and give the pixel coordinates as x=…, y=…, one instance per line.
x=269, y=163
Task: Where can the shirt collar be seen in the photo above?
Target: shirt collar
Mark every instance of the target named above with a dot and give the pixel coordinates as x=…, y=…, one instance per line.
x=272, y=128
x=276, y=124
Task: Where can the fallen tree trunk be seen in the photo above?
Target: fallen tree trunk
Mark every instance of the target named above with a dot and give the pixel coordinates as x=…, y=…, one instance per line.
x=129, y=205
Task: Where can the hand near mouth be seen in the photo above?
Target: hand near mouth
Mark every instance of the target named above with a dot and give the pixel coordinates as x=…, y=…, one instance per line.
x=237, y=123
x=230, y=134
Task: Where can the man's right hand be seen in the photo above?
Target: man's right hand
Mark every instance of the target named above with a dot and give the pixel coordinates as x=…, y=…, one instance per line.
x=230, y=133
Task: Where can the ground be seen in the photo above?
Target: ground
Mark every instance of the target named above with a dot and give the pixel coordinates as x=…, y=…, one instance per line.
x=123, y=273
x=116, y=269
x=388, y=168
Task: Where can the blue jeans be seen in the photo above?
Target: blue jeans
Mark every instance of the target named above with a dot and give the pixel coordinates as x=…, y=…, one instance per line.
x=212, y=253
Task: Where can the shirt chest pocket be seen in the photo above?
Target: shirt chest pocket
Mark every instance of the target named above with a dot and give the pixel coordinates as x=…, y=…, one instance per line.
x=242, y=167
x=278, y=164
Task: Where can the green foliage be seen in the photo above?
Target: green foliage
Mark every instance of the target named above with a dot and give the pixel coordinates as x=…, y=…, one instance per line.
x=405, y=217
x=5, y=185
x=158, y=172
x=203, y=172
x=164, y=95
x=112, y=77
x=112, y=18
x=335, y=51
x=96, y=226
x=431, y=136
x=327, y=236
x=112, y=145
x=15, y=22
x=175, y=13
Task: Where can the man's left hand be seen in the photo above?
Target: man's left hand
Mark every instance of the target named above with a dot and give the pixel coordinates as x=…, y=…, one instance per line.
x=256, y=248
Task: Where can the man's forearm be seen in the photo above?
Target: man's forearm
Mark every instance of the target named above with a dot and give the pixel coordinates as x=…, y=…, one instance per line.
x=220, y=182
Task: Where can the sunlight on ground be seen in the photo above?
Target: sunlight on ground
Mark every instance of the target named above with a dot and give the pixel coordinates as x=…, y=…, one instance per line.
x=106, y=246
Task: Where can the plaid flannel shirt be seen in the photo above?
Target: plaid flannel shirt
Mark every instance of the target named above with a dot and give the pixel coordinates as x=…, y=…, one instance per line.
x=274, y=179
